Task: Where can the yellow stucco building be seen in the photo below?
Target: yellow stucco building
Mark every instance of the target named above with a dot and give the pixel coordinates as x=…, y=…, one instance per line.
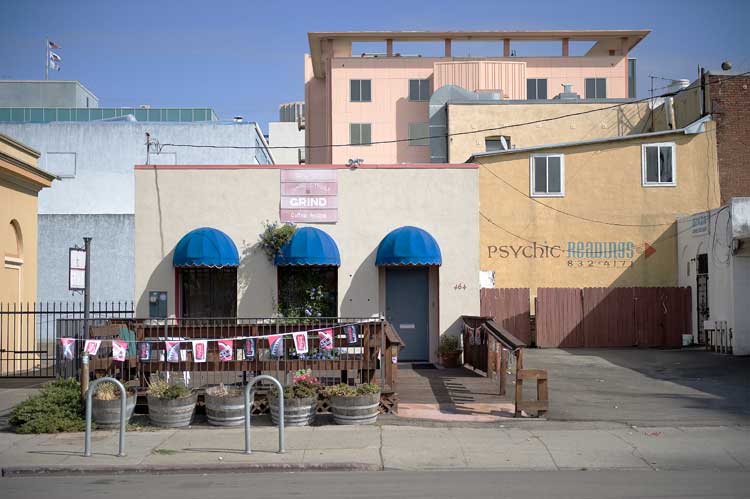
x=595, y=212
x=20, y=183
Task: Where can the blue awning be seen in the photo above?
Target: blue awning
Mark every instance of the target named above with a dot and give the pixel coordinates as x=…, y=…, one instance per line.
x=408, y=246
x=205, y=247
x=309, y=246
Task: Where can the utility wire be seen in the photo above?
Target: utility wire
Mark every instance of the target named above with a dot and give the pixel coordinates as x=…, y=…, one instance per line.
x=454, y=134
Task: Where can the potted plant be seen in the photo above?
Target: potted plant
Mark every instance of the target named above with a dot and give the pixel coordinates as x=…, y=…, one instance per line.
x=105, y=405
x=449, y=350
x=170, y=404
x=300, y=400
x=355, y=404
x=225, y=405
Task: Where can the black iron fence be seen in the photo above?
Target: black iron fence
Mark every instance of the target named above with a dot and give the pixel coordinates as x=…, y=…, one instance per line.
x=30, y=333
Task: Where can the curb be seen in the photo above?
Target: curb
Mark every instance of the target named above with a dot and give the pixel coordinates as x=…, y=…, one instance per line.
x=165, y=469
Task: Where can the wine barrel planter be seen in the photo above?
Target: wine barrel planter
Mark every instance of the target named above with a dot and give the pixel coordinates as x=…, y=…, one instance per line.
x=225, y=411
x=297, y=412
x=106, y=413
x=172, y=413
x=361, y=409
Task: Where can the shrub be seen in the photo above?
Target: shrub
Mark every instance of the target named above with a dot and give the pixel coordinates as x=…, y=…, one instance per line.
x=57, y=407
x=342, y=390
x=274, y=236
x=223, y=391
x=163, y=389
x=304, y=385
x=449, y=344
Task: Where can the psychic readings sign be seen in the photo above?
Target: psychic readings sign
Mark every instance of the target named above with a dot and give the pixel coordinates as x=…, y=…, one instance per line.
x=309, y=196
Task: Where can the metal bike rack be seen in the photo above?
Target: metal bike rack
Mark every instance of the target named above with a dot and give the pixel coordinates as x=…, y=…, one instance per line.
x=249, y=396
x=123, y=411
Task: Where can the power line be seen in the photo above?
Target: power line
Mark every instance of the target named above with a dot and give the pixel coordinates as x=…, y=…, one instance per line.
x=454, y=134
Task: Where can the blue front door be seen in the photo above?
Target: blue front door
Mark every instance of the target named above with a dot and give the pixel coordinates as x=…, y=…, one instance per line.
x=406, y=308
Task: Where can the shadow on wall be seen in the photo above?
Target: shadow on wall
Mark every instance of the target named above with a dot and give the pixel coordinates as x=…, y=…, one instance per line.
x=162, y=273
x=256, y=283
x=408, y=112
x=361, y=297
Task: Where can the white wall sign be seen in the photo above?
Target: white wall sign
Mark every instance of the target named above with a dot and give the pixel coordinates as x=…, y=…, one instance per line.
x=309, y=196
x=77, y=269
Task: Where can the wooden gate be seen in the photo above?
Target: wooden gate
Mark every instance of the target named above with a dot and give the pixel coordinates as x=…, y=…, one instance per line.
x=612, y=317
x=510, y=308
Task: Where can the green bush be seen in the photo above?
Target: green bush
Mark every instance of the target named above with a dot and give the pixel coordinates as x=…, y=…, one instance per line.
x=57, y=407
x=449, y=344
x=343, y=390
x=163, y=389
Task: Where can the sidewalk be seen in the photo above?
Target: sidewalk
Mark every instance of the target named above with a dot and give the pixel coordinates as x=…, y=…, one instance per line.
x=565, y=446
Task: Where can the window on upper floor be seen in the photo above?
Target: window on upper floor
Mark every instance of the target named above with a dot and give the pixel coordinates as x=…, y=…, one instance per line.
x=419, y=134
x=360, y=90
x=547, y=175
x=419, y=90
x=658, y=164
x=536, y=88
x=360, y=134
x=596, y=88
x=497, y=143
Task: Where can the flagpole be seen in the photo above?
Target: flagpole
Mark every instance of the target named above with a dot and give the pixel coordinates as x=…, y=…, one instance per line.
x=46, y=59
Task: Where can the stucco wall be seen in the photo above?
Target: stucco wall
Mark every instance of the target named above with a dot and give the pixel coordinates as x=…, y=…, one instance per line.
x=286, y=134
x=603, y=182
x=372, y=202
x=609, y=122
x=46, y=94
x=18, y=203
x=112, y=259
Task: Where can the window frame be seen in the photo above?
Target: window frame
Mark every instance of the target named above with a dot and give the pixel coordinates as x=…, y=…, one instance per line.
x=496, y=138
x=426, y=138
x=360, y=143
x=595, y=78
x=419, y=89
x=536, y=88
x=360, y=80
x=532, y=176
x=644, y=165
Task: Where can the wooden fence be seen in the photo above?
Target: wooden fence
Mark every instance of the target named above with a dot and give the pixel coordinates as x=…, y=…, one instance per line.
x=612, y=317
x=510, y=308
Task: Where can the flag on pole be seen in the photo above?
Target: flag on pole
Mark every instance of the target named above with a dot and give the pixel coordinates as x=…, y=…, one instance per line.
x=54, y=57
x=54, y=66
x=53, y=45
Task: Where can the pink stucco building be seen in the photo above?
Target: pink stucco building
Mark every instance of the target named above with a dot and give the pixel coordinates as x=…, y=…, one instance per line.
x=369, y=98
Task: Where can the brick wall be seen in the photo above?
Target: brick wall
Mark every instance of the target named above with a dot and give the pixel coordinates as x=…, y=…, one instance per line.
x=730, y=108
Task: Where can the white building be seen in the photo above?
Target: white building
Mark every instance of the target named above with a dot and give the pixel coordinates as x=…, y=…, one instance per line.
x=714, y=260
x=289, y=134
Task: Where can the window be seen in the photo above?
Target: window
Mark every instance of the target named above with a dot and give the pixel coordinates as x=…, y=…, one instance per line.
x=497, y=143
x=360, y=134
x=596, y=88
x=419, y=134
x=536, y=88
x=307, y=291
x=659, y=164
x=419, y=90
x=208, y=292
x=547, y=175
x=359, y=91
x=631, y=78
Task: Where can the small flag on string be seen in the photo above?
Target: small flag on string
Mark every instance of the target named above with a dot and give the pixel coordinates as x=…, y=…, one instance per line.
x=226, y=350
x=249, y=348
x=300, y=341
x=351, y=334
x=173, y=351
x=326, y=339
x=119, y=350
x=144, y=351
x=276, y=344
x=200, y=347
x=67, y=347
x=53, y=45
x=91, y=346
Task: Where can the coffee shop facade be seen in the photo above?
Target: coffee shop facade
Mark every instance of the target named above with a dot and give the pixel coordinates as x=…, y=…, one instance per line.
x=401, y=241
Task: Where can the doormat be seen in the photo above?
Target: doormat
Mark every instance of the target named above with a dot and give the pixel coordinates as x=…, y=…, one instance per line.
x=425, y=365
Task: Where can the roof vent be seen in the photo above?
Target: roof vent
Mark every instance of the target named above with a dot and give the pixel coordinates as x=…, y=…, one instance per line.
x=238, y=119
x=567, y=93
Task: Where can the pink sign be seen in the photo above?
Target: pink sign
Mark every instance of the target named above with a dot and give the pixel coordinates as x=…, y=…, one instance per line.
x=309, y=196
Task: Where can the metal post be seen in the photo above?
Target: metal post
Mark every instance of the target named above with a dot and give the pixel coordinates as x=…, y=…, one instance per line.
x=46, y=59
x=86, y=314
x=123, y=411
x=249, y=398
x=383, y=354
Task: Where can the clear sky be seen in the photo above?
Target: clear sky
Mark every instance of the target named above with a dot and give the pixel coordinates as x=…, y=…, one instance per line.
x=246, y=57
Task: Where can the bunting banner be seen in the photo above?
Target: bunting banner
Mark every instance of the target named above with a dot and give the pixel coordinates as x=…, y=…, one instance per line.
x=276, y=345
x=67, y=348
x=119, y=350
x=351, y=334
x=172, y=350
x=144, y=351
x=249, y=349
x=91, y=346
x=326, y=339
x=200, y=349
x=300, y=341
x=226, y=350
